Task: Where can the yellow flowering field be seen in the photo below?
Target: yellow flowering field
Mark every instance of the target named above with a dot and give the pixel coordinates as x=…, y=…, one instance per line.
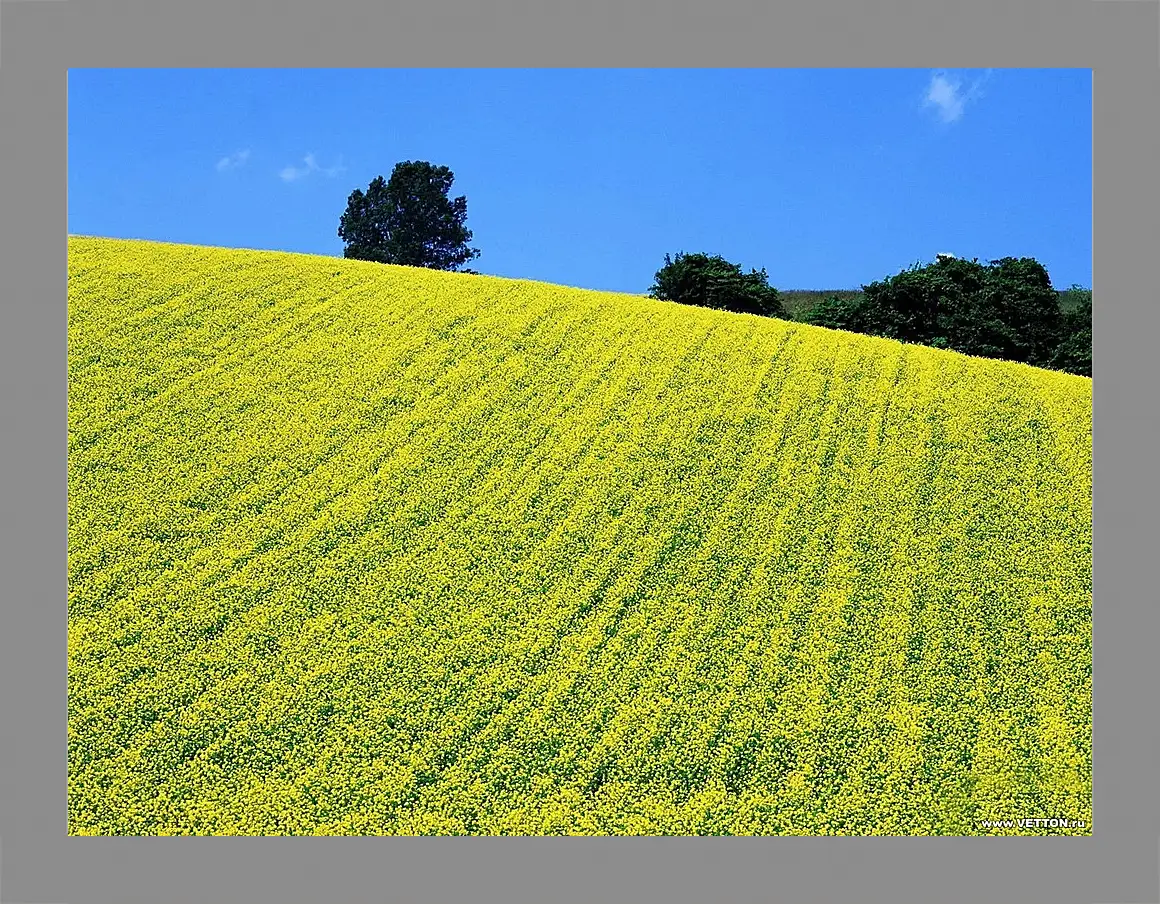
x=362, y=549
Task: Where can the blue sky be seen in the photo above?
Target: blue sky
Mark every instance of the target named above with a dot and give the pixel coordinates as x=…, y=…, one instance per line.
x=827, y=178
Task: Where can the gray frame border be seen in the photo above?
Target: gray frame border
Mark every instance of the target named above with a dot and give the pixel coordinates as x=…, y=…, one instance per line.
x=1117, y=865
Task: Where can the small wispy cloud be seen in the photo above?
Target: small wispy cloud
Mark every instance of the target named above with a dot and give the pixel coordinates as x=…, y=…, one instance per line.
x=948, y=94
x=233, y=161
x=310, y=165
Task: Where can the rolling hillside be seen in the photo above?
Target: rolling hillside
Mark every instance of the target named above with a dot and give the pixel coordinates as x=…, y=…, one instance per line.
x=361, y=549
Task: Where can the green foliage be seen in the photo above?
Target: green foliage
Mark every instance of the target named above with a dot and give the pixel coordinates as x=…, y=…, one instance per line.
x=837, y=313
x=1074, y=297
x=933, y=303
x=799, y=302
x=710, y=281
x=408, y=220
x=1074, y=353
x=1004, y=309
x=1018, y=295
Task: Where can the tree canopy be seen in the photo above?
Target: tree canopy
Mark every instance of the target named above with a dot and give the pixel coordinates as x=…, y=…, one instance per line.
x=1005, y=309
x=711, y=281
x=408, y=220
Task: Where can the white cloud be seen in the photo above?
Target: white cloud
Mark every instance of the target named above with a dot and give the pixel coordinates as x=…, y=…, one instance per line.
x=948, y=96
x=310, y=165
x=233, y=161
x=290, y=173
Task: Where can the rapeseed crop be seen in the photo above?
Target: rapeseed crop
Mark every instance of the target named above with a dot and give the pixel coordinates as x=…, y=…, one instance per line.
x=361, y=549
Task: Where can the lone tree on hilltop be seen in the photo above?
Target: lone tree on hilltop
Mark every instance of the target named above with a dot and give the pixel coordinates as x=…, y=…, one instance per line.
x=710, y=281
x=408, y=220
